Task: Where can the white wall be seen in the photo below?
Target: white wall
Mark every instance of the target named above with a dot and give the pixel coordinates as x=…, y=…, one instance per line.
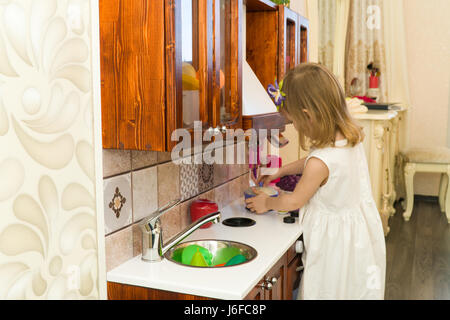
x=427, y=28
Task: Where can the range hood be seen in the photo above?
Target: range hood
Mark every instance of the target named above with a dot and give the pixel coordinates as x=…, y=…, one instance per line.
x=255, y=99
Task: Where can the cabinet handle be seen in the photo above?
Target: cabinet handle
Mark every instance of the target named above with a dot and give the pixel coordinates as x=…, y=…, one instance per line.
x=266, y=285
x=272, y=281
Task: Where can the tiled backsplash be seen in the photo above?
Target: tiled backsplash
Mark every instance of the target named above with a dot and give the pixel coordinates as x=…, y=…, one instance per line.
x=136, y=183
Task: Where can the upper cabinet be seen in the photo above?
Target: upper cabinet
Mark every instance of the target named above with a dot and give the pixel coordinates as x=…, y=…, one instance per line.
x=166, y=64
x=227, y=103
x=294, y=36
x=303, y=24
x=276, y=42
x=288, y=40
x=189, y=52
x=133, y=74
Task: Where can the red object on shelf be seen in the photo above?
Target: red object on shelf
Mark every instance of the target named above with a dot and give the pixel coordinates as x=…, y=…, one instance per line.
x=373, y=82
x=202, y=207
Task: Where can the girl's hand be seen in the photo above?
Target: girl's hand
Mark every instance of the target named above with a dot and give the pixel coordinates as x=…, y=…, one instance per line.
x=258, y=204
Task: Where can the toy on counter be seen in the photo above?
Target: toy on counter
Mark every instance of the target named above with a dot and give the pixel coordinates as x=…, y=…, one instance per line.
x=288, y=183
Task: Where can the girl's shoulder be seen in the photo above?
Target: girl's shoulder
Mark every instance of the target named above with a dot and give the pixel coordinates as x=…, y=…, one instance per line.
x=334, y=155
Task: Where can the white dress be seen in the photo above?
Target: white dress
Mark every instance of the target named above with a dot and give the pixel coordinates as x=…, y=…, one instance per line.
x=345, y=251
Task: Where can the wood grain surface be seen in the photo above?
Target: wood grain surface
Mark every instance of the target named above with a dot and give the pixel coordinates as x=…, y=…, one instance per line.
x=133, y=74
x=418, y=254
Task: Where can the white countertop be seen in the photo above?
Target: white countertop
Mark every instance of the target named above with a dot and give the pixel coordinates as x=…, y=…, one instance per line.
x=269, y=236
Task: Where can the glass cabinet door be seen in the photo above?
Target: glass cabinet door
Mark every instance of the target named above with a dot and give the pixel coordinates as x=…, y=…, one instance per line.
x=193, y=62
x=227, y=62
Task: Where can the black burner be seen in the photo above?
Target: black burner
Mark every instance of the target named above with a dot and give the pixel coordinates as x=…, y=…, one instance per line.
x=239, y=222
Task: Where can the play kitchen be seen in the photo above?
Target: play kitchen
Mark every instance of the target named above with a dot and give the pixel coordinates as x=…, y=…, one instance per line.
x=211, y=61
x=261, y=260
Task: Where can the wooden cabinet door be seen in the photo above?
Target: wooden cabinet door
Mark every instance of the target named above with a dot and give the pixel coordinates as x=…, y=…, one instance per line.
x=303, y=51
x=257, y=293
x=227, y=66
x=133, y=74
x=289, y=39
x=277, y=275
x=189, y=62
x=292, y=277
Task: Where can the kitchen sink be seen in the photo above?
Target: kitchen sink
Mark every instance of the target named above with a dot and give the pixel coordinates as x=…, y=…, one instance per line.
x=216, y=254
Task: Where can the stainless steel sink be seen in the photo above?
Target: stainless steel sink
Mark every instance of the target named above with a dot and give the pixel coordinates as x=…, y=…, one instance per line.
x=216, y=248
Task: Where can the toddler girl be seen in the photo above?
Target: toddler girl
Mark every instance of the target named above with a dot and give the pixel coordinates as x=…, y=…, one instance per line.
x=345, y=253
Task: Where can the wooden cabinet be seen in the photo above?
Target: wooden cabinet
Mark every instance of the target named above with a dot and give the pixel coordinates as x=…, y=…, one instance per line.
x=303, y=50
x=227, y=88
x=289, y=35
x=277, y=277
x=133, y=95
x=281, y=280
x=294, y=40
x=276, y=41
x=166, y=64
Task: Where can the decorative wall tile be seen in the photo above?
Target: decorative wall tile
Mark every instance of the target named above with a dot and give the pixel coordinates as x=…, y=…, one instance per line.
x=145, y=192
x=222, y=195
x=116, y=162
x=189, y=180
x=220, y=174
x=245, y=183
x=164, y=157
x=142, y=159
x=168, y=183
x=209, y=195
x=206, y=177
x=137, y=240
x=117, y=202
x=119, y=248
x=171, y=223
x=235, y=189
x=185, y=213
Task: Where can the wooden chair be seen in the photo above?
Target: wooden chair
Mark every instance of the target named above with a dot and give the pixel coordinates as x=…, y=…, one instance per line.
x=433, y=159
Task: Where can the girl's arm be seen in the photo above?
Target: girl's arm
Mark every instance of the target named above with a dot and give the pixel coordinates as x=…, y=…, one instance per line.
x=293, y=168
x=314, y=176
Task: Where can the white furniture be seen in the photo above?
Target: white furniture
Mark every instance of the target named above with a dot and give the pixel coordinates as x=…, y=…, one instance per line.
x=433, y=159
x=382, y=147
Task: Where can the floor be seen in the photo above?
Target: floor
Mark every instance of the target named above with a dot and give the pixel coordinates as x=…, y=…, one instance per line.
x=418, y=254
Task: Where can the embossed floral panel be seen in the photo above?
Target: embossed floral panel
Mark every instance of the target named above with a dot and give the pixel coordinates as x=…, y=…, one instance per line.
x=50, y=213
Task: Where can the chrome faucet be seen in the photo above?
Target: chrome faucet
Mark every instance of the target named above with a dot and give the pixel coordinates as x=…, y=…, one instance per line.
x=153, y=249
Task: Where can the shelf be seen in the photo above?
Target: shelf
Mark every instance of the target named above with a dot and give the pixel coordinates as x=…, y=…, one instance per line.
x=261, y=5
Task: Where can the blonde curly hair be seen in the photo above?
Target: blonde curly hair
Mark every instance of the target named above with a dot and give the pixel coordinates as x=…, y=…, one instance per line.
x=316, y=104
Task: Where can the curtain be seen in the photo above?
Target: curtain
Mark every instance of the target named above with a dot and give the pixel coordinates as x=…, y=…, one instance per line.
x=327, y=23
x=312, y=13
x=333, y=21
x=365, y=44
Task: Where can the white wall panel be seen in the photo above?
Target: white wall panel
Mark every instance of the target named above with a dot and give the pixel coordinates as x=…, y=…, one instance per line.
x=51, y=214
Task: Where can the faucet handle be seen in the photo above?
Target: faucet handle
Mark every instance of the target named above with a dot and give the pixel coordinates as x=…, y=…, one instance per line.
x=159, y=212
